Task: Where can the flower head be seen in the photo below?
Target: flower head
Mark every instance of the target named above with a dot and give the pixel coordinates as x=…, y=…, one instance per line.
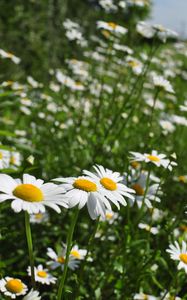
x=155, y=158
x=32, y=295
x=12, y=287
x=58, y=259
x=179, y=253
x=31, y=194
x=42, y=275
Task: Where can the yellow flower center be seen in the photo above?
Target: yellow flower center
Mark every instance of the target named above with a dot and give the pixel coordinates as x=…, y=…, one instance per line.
x=135, y=164
x=133, y=63
x=183, y=228
x=42, y=274
x=10, y=54
x=61, y=259
x=182, y=178
x=1, y=155
x=28, y=192
x=75, y=253
x=38, y=216
x=108, y=184
x=183, y=257
x=138, y=189
x=153, y=158
x=12, y=160
x=14, y=286
x=106, y=33
x=85, y=185
x=112, y=25
x=109, y=216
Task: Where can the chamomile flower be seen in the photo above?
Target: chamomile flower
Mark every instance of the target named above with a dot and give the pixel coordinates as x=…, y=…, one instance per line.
x=110, y=186
x=42, y=275
x=5, y=54
x=142, y=296
x=83, y=190
x=168, y=296
x=161, y=82
x=39, y=218
x=12, y=287
x=78, y=253
x=155, y=158
x=139, y=185
x=112, y=27
x=153, y=230
x=4, y=159
x=31, y=194
x=32, y=295
x=179, y=253
x=110, y=216
x=58, y=259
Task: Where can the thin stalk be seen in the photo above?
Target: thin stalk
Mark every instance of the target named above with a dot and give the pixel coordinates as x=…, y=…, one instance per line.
x=30, y=246
x=145, y=194
x=87, y=254
x=69, y=245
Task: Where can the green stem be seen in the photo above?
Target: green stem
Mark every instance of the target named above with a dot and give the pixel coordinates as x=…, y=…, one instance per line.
x=145, y=194
x=69, y=245
x=86, y=257
x=30, y=246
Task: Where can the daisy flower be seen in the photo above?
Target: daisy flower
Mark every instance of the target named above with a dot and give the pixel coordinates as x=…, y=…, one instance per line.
x=110, y=186
x=161, y=82
x=4, y=159
x=110, y=216
x=153, y=157
x=179, y=254
x=168, y=296
x=31, y=194
x=112, y=27
x=32, y=295
x=14, y=58
x=58, y=259
x=84, y=190
x=39, y=218
x=42, y=275
x=140, y=186
x=153, y=230
x=78, y=253
x=12, y=287
x=142, y=296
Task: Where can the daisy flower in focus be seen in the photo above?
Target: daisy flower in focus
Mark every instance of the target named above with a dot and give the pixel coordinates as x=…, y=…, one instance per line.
x=31, y=194
x=110, y=186
x=112, y=27
x=12, y=287
x=58, y=259
x=32, y=295
x=153, y=157
x=179, y=253
x=42, y=275
x=84, y=190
